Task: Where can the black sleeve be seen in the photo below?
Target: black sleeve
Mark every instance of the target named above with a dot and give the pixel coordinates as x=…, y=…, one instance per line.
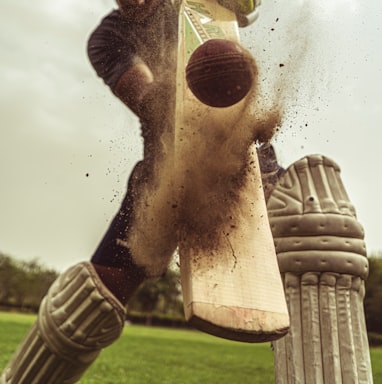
x=110, y=50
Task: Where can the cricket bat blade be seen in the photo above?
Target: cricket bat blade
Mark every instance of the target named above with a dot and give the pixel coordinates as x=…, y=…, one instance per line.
x=231, y=283
x=233, y=288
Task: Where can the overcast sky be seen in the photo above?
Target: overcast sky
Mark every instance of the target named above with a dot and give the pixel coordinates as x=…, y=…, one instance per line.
x=67, y=145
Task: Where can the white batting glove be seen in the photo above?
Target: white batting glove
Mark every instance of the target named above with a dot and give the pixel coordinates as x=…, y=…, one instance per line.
x=246, y=10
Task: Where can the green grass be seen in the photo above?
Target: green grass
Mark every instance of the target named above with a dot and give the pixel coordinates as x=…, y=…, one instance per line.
x=13, y=327
x=376, y=358
x=157, y=355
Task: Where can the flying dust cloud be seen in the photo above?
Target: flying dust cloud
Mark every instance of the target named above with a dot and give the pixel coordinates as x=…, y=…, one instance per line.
x=197, y=173
x=295, y=48
x=215, y=158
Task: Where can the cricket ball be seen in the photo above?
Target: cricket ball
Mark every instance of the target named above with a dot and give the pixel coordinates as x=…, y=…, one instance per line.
x=220, y=73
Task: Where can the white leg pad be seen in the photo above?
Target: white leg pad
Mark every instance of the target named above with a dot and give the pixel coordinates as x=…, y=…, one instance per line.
x=77, y=319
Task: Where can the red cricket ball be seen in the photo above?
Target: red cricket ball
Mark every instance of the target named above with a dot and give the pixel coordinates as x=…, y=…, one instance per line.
x=220, y=73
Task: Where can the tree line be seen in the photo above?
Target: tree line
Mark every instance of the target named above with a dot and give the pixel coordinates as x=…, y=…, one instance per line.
x=23, y=284
x=373, y=299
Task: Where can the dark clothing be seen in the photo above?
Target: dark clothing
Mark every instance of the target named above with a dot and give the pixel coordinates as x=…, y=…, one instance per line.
x=118, y=43
x=115, y=46
x=112, y=251
x=270, y=169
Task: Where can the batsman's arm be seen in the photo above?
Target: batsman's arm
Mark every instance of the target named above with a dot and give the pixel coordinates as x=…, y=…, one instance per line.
x=133, y=85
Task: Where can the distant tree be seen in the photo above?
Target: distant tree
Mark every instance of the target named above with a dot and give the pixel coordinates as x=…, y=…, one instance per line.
x=7, y=277
x=373, y=296
x=36, y=282
x=23, y=284
x=159, y=296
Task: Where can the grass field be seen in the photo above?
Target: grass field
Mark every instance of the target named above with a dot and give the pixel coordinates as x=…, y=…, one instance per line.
x=157, y=355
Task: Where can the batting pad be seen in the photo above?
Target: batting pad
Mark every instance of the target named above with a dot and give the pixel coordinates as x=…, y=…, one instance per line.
x=77, y=319
x=322, y=258
x=313, y=222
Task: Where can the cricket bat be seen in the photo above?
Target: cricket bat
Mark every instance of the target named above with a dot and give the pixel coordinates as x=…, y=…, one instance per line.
x=230, y=279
